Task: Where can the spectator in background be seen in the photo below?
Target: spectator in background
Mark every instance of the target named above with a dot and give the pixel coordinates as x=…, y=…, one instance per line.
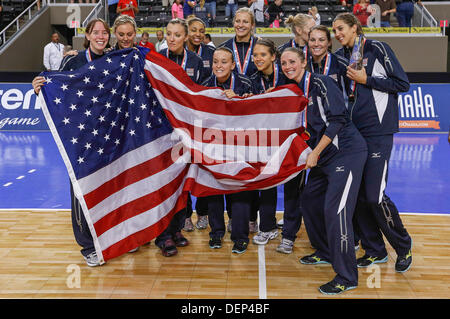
x=386, y=8
x=231, y=8
x=188, y=7
x=257, y=6
x=210, y=6
x=53, y=53
x=314, y=12
x=161, y=41
x=145, y=43
x=362, y=10
x=275, y=13
x=208, y=40
x=128, y=7
x=405, y=12
x=177, y=9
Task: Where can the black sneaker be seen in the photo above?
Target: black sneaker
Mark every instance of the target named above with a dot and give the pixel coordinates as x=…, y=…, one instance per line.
x=313, y=260
x=239, y=247
x=180, y=240
x=403, y=263
x=334, y=288
x=366, y=260
x=215, y=243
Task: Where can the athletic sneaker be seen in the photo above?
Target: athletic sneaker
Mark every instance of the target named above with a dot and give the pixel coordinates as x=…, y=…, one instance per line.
x=169, y=248
x=188, y=225
x=366, y=260
x=92, y=259
x=215, y=243
x=202, y=222
x=313, y=259
x=403, y=263
x=334, y=288
x=180, y=240
x=262, y=238
x=280, y=223
x=286, y=246
x=252, y=227
x=239, y=247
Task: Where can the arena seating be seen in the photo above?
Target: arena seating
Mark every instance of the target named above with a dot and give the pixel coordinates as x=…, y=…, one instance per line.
x=153, y=14
x=11, y=9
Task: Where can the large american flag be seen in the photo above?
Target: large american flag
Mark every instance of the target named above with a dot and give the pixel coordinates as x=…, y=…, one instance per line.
x=136, y=135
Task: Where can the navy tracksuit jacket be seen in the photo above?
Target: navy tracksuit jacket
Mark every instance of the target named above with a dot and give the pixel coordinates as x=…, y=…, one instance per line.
x=330, y=193
x=241, y=50
x=374, y=112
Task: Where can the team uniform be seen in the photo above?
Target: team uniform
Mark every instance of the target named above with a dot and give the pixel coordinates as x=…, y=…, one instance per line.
x=330, y=194
x=191, y=63
x=243, y=55
x=374, y=111
x=334, y=66
x=206, y=52
x=240, y=203
x=290, y=43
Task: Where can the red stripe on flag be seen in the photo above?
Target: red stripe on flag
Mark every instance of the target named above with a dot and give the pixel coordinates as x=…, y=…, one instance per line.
x=139, y=205
x=128, y=177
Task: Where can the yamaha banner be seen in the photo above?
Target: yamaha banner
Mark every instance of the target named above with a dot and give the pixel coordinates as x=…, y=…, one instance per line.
x=425, y=108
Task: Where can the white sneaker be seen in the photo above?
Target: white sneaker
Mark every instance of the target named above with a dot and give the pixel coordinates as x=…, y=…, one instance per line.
x=263, y=238
x=285, y=246
x=253, y=227
x=202, y=222
x=92, y=259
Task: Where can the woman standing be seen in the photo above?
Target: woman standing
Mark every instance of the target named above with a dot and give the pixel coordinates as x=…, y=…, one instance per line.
x=336, y=164
x=97, y=36
x=323, y=61
x=376, y=79
x=233, y=84
x=243, y=42
x=300, y=25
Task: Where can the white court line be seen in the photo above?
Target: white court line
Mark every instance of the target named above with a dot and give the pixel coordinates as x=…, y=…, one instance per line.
x=262, y=272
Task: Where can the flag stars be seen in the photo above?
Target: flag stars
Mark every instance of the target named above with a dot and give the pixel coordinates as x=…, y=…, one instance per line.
x=80, y=160
x=86, y=80
x=113, y=124
x=100, y=151
x=122, y=65
x=87, y=113
x=113, y=91
x=137, y=119
x=131, y=101
x=136, y=57
x=143, y=106
x=149, y=125
x=66, y=121
x=57, y=100
x=80, y=93
x=91, y=67
x=101, y=118
x=106, y=137
x=81, y=126
x=95, y=132
x=64, y=87
x=117, y=142
x=87, y=146
x=105, y=72
x=137, y=88
x=73, y=107
x=132, y=132
x=101, y=86
x=108, y=105
x=109, y=60
x=74, y=140
x=118, y=78
x=94, y=99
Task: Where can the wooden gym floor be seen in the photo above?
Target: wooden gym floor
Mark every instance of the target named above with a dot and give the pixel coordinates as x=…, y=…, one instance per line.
x=39, y=258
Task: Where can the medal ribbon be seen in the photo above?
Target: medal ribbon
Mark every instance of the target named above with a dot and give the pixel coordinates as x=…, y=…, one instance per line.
x=275, y=77
x=242, y=68
x=184, y=61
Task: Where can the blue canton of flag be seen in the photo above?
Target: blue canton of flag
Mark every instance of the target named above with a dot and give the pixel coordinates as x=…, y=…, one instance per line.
x=104, y=110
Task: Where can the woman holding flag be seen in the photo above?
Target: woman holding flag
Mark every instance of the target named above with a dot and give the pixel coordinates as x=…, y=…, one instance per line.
x=233, y=84
x=376, y=79
x=336, y=164
x=241, y=46
x=97, y=37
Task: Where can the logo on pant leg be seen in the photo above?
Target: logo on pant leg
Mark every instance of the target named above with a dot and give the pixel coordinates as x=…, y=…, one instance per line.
x=376, y=155
x=340, y=168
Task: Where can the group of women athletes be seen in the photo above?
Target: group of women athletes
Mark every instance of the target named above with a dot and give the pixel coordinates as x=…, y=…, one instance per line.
x=351, y=118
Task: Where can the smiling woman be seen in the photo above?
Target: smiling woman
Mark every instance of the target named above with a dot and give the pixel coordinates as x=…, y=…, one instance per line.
x=125, y=32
